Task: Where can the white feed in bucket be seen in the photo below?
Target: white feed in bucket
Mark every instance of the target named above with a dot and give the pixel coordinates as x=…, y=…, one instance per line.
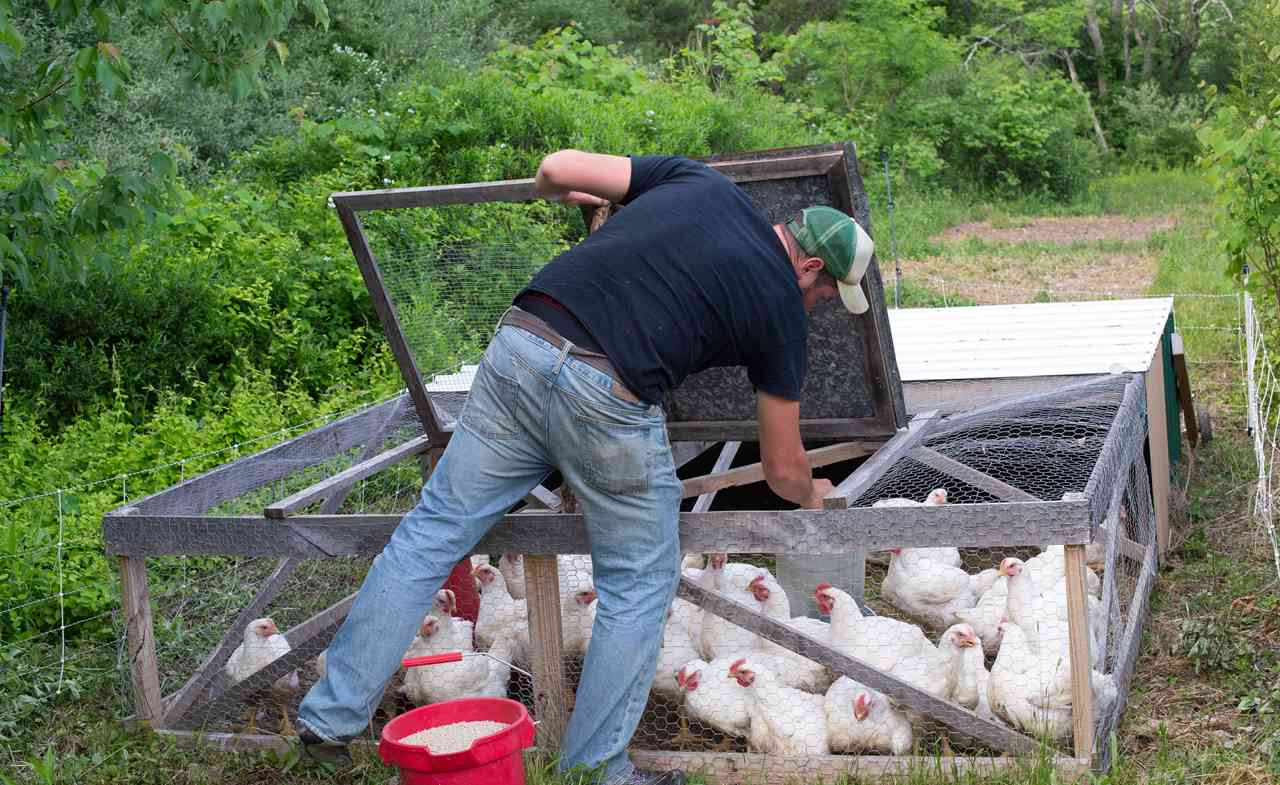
x=455, y=737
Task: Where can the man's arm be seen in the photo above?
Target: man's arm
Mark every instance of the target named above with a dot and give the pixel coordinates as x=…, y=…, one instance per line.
x=575, y=177
x=786, y=469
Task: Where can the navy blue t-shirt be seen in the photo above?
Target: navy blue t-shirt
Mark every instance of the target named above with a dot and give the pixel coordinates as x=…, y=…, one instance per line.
x=687, y=275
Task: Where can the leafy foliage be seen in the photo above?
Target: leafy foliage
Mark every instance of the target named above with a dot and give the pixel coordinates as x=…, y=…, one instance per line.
x=1155, y=129
x=59, y=210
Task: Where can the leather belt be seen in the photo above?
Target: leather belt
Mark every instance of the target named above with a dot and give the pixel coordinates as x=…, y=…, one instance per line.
x=514, y=317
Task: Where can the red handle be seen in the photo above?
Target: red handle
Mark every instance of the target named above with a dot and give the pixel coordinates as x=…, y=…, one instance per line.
x=433, y=659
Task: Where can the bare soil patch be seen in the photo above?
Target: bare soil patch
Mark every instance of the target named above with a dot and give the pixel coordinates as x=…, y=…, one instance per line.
x=991, y=278
x=1064, y=231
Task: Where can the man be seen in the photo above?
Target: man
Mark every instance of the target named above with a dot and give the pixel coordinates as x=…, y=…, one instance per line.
x=686, y=275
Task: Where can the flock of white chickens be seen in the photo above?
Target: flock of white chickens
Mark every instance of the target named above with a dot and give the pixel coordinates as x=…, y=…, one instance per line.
x=743, y=686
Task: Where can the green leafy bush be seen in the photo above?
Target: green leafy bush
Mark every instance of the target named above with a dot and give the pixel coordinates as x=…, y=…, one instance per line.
x=1019, y=129
x=1155, y=130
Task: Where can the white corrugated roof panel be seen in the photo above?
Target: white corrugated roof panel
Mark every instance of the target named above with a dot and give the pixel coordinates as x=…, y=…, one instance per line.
x=1035, y=339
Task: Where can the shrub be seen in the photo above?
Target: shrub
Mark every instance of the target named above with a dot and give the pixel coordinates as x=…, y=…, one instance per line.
x=1155, y=130
x=1018, y=129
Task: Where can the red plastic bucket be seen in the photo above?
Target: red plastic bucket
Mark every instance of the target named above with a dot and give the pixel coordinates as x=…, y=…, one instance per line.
x=492, y=760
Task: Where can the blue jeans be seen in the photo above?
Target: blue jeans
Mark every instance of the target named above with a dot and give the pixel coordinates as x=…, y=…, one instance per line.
x=532, y=408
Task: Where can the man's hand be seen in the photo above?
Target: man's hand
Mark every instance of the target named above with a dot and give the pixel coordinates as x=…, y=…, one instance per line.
x=578, y=198
x=821, y=488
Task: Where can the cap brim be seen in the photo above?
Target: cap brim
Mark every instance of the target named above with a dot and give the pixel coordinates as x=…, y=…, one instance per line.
x=851, y=287
x=852, y=297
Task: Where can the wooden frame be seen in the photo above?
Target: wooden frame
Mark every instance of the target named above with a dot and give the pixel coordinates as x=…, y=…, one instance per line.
x=834, y=165
x=171, y=523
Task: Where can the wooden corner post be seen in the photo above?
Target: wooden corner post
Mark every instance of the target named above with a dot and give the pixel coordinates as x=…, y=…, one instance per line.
x=1158, y=445
x=140, y=637
x=546, y=650
x=1078, y=640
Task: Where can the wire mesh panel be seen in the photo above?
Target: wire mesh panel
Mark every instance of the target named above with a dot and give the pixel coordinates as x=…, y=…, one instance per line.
x=450, y=271
x=969, y=648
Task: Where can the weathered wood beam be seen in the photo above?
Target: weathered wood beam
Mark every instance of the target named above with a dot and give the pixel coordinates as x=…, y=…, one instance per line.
x=334, y=503
x=748, y=430
x=1078, y=644
x=960, y=720
x=748, y=768
x=542, y=498
x=523, y=190
x=970, y=476
x=346, y=478
x=386, y=311
x=879, y=464
x=140, y=638
x=180, y=702
x=1183, y=379
x=745, y=475
x=737, y=531
x=546, y=649
x=1127, y=650
x=722, y=768
x=723, y=462
x=230, y=480
x=306, y=641
x=1158, y=446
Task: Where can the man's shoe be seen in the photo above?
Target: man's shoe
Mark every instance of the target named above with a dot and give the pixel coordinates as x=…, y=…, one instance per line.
x=317, y=749
x=642, y=777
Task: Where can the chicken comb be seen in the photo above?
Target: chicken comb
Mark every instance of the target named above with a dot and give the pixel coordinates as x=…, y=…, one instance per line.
x=737, y=664
x=823, y=587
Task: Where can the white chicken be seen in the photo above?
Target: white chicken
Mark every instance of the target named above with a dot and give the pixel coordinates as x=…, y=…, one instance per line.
x=500, y=615
x=879, y=641
x=791, y=668
x=719, y=637
x=938, y=670
x=1050, y=566
x=1030, y=692
x=936, y=497
x=929, y=591
x=1042, y=612
x=860, y=718
x=678, y=648
x=578, y=615
x=713, y=701
x=971, y=680
x=1030, y=686
x=262, y=645
x=784, y=720
x=985, y=617
x=511, y=565
x=472, y=677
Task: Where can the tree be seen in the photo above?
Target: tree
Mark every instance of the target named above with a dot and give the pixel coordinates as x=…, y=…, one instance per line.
x=60, y=208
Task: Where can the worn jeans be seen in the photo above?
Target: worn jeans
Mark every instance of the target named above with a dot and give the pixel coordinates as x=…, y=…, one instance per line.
x=532, y=408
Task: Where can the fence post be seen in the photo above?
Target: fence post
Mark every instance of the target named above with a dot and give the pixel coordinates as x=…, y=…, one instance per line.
x=140, y=637
x=1081, y=667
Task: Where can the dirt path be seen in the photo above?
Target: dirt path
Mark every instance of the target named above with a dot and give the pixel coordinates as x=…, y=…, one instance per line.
x=1064, y=231
x=1046, y=259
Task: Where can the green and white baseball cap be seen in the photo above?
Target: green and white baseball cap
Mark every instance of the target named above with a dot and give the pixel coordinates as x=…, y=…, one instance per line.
x=842, y=245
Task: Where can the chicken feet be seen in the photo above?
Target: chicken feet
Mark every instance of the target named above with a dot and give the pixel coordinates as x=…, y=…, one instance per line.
x=684, y=738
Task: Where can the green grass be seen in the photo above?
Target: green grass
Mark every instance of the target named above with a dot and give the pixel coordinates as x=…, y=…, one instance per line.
x=1208, y=649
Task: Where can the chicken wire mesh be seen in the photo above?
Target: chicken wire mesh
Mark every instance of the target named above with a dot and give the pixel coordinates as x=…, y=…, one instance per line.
x=450, y=271
x=1049, y=447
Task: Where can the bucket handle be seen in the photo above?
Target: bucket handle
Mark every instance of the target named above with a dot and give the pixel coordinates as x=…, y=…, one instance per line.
x=456, y=656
